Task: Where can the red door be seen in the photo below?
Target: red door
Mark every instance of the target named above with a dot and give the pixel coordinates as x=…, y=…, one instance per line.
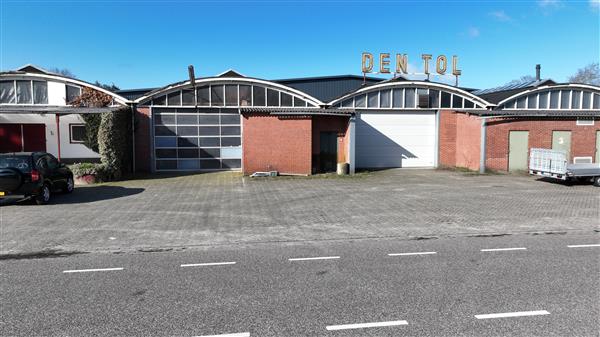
x=34, y=137
x=10, y=138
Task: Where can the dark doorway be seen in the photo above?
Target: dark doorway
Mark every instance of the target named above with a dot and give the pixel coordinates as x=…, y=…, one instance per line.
x=328, y=152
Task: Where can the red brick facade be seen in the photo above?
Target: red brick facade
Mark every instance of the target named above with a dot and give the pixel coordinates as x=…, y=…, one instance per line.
x=583, y=138
x=277, y=143
x=142, y=140
x=459, y=140
x=338, y=124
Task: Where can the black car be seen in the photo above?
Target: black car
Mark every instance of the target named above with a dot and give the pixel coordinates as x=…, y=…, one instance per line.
x=33, y=175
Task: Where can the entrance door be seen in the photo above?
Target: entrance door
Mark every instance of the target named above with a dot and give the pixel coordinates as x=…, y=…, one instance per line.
x=11, y=139
x=328, y=152
x=518, y=150
x=34, y=137
x=561, y=140
x=597, y=146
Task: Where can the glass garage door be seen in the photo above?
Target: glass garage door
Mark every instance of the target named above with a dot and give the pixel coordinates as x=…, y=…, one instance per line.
x=189, y=139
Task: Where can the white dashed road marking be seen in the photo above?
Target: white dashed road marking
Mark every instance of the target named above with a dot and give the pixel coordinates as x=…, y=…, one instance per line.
x=365, y=325
x=502, y=249
x=90, y=270
x=242, y=334
x=314, y=258
x=408, y=254
x=583, y=246
x=207, y=264
x=513, y=314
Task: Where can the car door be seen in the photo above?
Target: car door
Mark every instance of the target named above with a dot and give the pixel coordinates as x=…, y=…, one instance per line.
x=54, y=173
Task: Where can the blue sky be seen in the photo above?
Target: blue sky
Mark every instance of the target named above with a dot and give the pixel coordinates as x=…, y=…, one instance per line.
x=151, y=43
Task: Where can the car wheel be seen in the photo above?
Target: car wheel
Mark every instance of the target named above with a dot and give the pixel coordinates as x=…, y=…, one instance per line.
x=597, y=181
x=44, y=196
x=70, y=186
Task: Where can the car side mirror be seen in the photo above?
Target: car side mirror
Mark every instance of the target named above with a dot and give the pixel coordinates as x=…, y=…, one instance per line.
x=62, y=165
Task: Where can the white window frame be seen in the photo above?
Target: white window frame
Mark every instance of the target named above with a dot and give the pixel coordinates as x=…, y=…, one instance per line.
x=585, y=122
x=71, y=140
x=588, y=159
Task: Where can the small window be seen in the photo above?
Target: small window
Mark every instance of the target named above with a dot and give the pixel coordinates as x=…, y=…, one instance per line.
x=72, y=93
x=299, y=101
x=259, y=96
x=373, y=99
x=582, y=160
x=203, y=95
x=457, y=102
x=587, y=100
x=349, y=103
x=384, y=98
x=24, y=95
x=532, y=101
x=245, y=95
x=7, y=92
x=585, y=122
x=469, y=104
x=576, y=101
x=359, y=101
x=446, y=98
x=272, y=97
x=286, y=100
x=174, y=98
x=231, y=95
x=596, y=101
x=409, y=98
x=40, y=92
x=162, y=100
x=398, y=98
x=434, y=98
x=521, y=102
x=554, y=98
x=543, y=104
x=565, y=99
x=77, y=133
x=187, y=97
x=216, y=95
x=510, y=104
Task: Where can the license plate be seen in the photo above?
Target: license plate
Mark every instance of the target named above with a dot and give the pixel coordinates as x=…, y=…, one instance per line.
x=1, y=194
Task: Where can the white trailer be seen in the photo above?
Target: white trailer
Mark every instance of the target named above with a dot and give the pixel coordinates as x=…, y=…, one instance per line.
x=555, y=164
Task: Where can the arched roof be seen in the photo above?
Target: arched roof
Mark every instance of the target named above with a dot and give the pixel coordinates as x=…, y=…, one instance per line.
x=568, y=86
x=416, y=84
x=16, y=75
x=225, y=79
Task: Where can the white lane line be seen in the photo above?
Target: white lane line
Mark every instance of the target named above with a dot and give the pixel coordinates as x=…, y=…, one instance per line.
x=365, y=325
x=408, y=254
x=314, y=258
x=241, y=334
x=582, y=246
x=90, y=270
x=513, y=314
x=502, y=249
x=206, y=264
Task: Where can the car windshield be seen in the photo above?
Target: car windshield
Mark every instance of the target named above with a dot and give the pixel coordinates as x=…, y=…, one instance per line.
x=22, y=163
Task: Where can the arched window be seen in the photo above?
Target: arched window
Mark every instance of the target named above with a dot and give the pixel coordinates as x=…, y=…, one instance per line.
x=558, y=97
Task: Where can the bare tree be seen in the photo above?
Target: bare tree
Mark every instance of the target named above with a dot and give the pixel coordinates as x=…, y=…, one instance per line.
x=63, y=71
x=523, y=79
x=589, y=74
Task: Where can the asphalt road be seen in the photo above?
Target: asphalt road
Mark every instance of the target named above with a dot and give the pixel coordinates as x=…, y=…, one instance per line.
x=259, y=291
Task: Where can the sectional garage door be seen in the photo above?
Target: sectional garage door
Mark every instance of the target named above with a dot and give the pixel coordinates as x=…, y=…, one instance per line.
x=391, y=139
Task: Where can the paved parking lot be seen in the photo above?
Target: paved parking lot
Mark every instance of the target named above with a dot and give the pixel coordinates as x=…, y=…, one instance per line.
x=220, y=208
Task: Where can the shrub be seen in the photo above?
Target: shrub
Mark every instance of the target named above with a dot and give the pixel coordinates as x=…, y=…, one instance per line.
x=114, y=142
x=100, y=171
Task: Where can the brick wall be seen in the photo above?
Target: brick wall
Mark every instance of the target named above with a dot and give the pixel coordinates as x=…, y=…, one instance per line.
x=583, y=138
x=337, y=124
x=459, y=140
x=277, y=143
x=142, y=140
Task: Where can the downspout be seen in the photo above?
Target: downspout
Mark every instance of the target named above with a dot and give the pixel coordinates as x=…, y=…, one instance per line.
x=57, y=118
x=351, y=145
x=482, y=145
x=132, y=138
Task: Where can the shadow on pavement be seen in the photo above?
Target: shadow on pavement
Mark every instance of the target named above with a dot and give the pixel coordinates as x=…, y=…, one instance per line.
x=83, y=195
x=571, y=182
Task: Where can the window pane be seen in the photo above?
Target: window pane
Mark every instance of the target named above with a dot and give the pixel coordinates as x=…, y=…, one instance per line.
x=299, y=102
x=397, y=101
x=187, y=130
x=596, y=101
x=349, y=103
x=162, y=100
x=231, y=141
x=359, y=101
x=77, y=133
x=210, y=141
x=554, y=95
x=166, y=153
x=258, y=94
x=532, y=101
x=384, y=98
x=208, y=119
x=24, y=92
x=434, y=98
x=230, y=130
x=245, y=95
x=188, y=164
x=231, y=152
x=232, y=163
x=521, y=102
x=203, y=96
x=72, y=93
x=286, y=100
x=216, y=95
x=166, y=164
x=372, y=100
x=210, y=153
x=209, y=131
x=457, y=102
x=272, y=97
x=422, y=98
x=576, y=101
x=174, y=98
x=187, y=141
x=409, y=98
x=187, y=153
x=565, y=99
x=7, y=92
x=164, y=119
x=40, y=92
x=543, y=103
x=187, y=97
x=230, y=119
x=210, y=164
x=446, y=98
x=587, y=99
x=231, y=95
x=164, y=130
x=165, y=141
x=469, y=104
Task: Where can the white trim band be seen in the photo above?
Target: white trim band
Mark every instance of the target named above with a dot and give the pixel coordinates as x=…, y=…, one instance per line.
x=241, y=334
x=513, y=314
x=409, y=254
x=314, y=258
x=582, y=246
x=365, y=325
x=90, y=270
x=502, y=249
x=206, y=264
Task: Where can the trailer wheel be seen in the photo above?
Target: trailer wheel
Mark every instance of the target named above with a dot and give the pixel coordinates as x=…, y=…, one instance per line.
x=597, y=181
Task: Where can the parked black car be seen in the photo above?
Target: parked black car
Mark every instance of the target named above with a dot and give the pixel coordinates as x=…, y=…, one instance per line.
x=33, y=175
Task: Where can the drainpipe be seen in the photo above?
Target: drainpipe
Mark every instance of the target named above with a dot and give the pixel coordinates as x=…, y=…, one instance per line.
x=351, y=145
x=482, y=146
x=57, y=118
x=132, y=138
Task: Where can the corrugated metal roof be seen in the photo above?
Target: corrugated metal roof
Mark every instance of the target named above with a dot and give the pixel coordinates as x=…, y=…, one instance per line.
x=327, y=88
x=297, y=111
x=541, y=113
x=22, y=109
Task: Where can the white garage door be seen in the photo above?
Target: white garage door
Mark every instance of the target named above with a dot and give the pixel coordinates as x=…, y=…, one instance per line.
x=395, y=139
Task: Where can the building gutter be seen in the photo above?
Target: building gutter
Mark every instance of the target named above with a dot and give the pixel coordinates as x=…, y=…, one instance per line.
x=483, y=144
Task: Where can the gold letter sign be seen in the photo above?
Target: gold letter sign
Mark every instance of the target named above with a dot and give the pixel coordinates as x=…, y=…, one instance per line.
x=441, y=64
x=367, y=68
